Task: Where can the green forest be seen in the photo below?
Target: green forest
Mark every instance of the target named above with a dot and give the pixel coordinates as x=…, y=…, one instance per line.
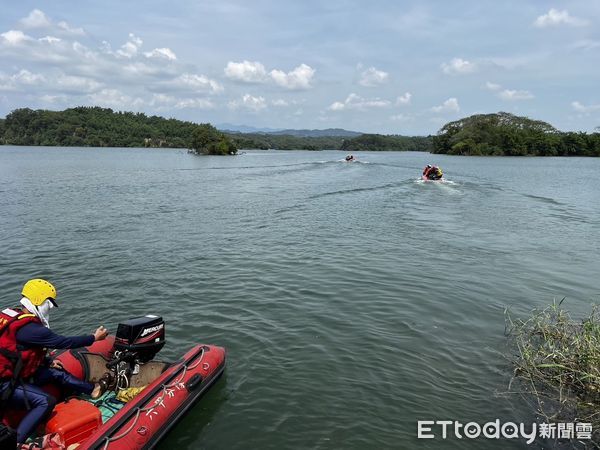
x=103, y=127
x=504, y=134
x=498, y=134
x=381, y=142
x=266, y=141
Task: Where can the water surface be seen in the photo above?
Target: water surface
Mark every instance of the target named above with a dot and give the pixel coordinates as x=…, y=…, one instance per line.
x=353, y=299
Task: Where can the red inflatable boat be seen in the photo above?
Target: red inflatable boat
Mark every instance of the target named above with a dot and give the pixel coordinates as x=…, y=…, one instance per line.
x=169, y=389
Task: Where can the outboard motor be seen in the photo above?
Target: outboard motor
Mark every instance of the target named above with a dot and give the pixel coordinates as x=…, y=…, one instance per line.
x=137, y=341
x=144, y=336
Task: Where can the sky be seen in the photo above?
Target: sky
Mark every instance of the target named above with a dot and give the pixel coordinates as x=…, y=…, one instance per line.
x=391, y=67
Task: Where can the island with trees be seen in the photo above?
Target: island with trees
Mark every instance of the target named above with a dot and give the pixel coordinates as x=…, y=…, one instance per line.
x=497, y=134
x=504, y=134
x=103, y=127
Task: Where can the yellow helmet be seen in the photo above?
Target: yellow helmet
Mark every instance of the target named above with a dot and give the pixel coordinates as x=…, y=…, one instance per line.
x=38, y=291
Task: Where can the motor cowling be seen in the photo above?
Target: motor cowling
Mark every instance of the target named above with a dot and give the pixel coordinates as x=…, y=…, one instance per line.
x=143, y=336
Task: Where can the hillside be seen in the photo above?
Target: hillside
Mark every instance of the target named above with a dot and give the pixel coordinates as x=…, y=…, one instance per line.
x=94, y=127
x=328, y=132
x=338, y=132
x=482, y=134
x=505, y=134
x=103, y=127
x=380, y=142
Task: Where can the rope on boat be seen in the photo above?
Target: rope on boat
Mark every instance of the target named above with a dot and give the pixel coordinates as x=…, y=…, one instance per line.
x=158, y=401
x=122, y=380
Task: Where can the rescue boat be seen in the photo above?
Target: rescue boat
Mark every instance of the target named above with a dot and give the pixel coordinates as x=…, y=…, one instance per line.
x=165, y=391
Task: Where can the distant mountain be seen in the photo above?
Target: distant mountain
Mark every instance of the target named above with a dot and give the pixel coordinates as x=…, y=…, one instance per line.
x=231, y=128
x=318, y=133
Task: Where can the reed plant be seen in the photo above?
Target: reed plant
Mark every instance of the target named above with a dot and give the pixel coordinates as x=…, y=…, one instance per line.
x=557, y=363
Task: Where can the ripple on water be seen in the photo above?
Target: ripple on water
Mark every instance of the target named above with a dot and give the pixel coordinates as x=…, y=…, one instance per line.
x=352, y=300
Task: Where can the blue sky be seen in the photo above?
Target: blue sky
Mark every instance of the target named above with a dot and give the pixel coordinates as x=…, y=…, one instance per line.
x=394, y=67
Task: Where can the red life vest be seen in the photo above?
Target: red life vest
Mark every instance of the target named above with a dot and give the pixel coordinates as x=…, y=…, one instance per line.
x=11, y=321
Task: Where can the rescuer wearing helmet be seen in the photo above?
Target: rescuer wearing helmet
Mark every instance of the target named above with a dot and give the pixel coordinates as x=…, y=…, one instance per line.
x=24, y=337
x=432, y=172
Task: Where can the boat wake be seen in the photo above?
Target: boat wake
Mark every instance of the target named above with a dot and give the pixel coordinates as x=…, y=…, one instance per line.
x=443, y=181
x=356, y=161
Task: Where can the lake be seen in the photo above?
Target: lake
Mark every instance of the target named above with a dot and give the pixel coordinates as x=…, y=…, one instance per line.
x=353, y=299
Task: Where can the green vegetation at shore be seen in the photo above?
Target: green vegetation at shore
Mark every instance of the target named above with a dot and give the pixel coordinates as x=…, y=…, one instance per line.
x=368, y=142
x=103, y=127
x=265, y=141
x=207, y=140
x=499, y=134
x=505, y=134
x=556, y=363
x=94, y=127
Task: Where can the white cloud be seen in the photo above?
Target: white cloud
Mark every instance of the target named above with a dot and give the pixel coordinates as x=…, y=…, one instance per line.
x=198, y=83
x=114, y=98
x=195, y=103
x=555, y=17
x=64, y=26
x=136, y=69
x=161, y=53
x=579, y=107
x=404, y=99
x=513, y=94
x=373, y=77
x=355, y=102
x=38, y=19
x=246, y=71
x=63, y=70
x=26, y=77
x=49, y=39
x=14, y=37
x=35, y=19
x=458, y=66
x=249, y=102
x=20, y=79
x=508, y=94
x=76, y=84
x=280, y=102
x=82, y=50
x=130, y=48
x=50, y=84
x=162, y=100
x=450, y=105
x=255, y=72
x=299, y=78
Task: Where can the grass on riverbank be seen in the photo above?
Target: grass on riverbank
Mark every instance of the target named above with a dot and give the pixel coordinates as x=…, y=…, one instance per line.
x=558, y=362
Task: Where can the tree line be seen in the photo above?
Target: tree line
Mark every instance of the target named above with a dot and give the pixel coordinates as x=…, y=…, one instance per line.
x=482, y=134
x=102, y=127
x=504, y=134
x=367, y=142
